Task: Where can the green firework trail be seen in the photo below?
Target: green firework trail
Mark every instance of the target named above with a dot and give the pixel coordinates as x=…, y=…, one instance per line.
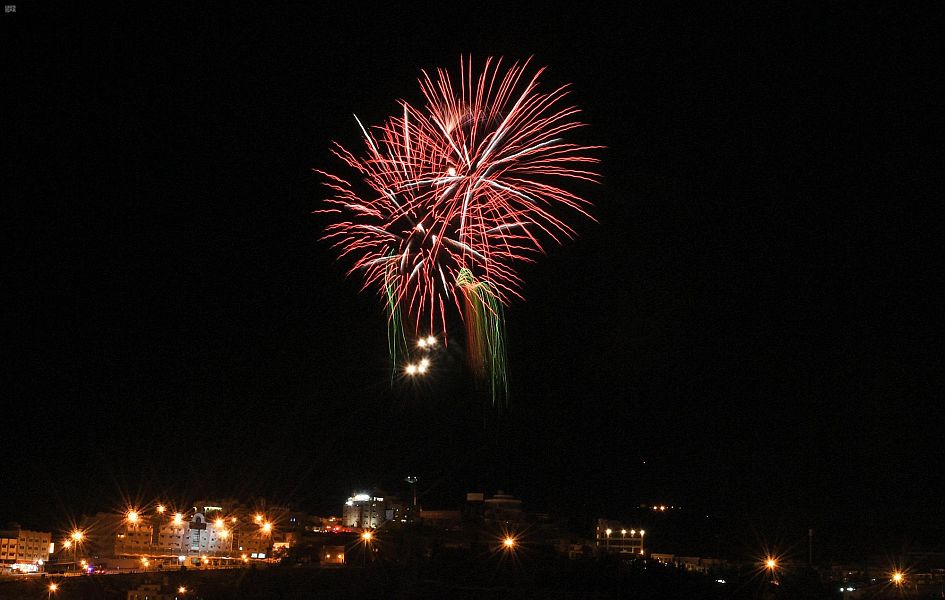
x=485, y=333
x=396, y=340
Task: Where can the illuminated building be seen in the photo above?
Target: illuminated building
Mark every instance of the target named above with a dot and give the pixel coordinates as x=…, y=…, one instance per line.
x=613, y=537
x=256, y=542
x=24, y=550
x=333, y=555
x=160, y=535
x=368, y=511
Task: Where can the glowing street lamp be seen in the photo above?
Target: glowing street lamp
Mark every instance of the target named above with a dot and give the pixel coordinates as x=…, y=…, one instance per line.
x=898, y=577
x=178, y=518
x=267, y=527
x=367, y=536
x=133, y=516
x=181, y=590
x=161, y=508
x=77, y=537
x=51, y=589
x=258, y=518
x=509, y=542
x=771, y=564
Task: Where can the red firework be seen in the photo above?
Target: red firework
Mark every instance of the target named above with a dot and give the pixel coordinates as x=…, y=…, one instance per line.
x=466, y=186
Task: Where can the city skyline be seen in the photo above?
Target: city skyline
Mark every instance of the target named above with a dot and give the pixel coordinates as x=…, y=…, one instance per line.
x=746, y=329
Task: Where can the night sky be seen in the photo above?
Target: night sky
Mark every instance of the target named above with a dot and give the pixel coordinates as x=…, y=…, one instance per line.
x=749, y=329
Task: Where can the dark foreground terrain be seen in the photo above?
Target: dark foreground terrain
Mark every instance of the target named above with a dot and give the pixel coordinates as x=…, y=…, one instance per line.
x=502, y=578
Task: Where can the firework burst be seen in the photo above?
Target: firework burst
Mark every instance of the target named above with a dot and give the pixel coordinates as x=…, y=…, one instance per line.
x=459, y=192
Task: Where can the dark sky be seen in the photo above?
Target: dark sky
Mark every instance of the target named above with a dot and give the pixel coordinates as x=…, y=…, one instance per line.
x=749, y=330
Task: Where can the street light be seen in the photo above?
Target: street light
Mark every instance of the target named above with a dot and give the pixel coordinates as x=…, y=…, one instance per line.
x=77, y=537
x=52, y=588
x=367, y=536
x=413, y=484
x=771, y=564
x=897, y=578
x=133, y=516
x=508, y=542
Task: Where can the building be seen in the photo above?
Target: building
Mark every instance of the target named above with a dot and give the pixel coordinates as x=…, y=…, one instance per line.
x=613, y=537
x=369, y=511
x=24, y=550
x=333, y=555
x=256, y=542
x=441, y=519
x=172, y=535
x=502, y=507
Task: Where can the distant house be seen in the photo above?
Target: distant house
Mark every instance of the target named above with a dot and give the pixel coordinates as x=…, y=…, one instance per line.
x=333, y=555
